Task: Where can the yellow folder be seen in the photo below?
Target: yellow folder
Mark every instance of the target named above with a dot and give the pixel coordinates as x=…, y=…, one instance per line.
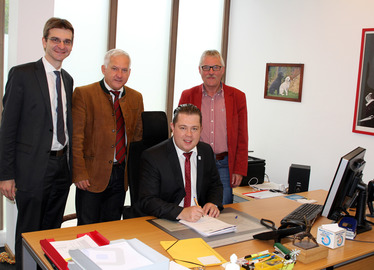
x=192, y=252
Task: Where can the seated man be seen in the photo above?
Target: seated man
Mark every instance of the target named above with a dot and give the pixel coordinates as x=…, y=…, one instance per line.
x=179, y=174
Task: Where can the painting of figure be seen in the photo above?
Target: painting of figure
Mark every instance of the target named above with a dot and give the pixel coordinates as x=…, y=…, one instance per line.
x=364, y=107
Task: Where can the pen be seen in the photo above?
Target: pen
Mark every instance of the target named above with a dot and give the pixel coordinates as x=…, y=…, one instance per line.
x=197, y=204
x=256, y=254
x=261, y=257
x=267, y=259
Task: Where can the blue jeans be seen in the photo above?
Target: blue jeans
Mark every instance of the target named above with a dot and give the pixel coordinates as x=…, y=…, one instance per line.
x=224, y=174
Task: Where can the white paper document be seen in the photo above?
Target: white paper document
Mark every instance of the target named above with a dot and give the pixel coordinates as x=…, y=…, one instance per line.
x=63, y=247
x=116, y=256
x=208, y=226
x=263, y=194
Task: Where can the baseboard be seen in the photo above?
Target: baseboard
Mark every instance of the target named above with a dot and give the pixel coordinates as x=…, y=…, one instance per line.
x=9, y=251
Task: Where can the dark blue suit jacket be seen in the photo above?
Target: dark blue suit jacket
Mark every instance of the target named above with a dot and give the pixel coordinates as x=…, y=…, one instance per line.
x=161, y=183
x=26, y=128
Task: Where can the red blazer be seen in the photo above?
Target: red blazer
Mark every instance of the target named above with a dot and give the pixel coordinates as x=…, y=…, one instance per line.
x=236, y=121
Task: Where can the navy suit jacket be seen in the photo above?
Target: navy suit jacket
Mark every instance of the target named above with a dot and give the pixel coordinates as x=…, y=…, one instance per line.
x=26, y=127
x=161, y=183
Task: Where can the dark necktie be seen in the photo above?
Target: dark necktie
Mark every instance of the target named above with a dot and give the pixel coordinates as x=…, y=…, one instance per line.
x=120, y=138
x=187, y=179
x=60, y=115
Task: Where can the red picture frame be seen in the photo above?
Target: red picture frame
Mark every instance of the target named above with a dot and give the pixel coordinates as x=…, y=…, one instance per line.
x=363, y=121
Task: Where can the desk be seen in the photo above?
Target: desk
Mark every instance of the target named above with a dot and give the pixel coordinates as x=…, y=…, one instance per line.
x=238, y=192
x=272, y=208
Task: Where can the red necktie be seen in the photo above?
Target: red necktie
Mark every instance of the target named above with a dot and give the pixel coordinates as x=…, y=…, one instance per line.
x=120, y=138
x=187, y=179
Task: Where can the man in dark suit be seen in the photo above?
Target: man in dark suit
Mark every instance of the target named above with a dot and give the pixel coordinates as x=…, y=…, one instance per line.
x=179, y=174
x=35, y=135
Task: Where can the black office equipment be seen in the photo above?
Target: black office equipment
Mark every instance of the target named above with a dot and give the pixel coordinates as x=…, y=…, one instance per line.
x=370, y=198
x=298, y=178
x=277, y=234
x=255, y=172
x=348, y=189
x=303, y=215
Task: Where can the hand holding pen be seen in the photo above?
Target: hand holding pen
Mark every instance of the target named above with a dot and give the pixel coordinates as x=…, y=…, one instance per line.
x=192, y=213
x=209, y=209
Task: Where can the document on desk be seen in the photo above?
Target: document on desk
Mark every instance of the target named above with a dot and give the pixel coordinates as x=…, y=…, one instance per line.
x=263, y=194
x=63, y=247
x=116, y=256
x=246, y=227
x=209, y=226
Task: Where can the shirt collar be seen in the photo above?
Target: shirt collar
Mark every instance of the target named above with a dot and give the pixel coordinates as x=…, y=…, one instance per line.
x=47, y=66
x=180, y=151
x=110, y=89
x=219, y=92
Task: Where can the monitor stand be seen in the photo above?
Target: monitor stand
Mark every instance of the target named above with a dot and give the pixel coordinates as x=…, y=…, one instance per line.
x=362, y=224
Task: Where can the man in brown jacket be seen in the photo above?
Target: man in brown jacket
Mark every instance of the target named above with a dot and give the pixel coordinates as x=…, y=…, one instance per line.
x=106, y=119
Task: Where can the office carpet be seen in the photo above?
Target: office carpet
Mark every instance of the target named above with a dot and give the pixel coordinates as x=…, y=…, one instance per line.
x=5, y=265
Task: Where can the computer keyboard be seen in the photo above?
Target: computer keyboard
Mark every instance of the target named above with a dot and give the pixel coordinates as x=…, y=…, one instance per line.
x=304, y=214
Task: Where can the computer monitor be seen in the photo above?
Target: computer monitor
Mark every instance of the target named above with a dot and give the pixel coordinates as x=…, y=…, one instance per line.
x=348, y=189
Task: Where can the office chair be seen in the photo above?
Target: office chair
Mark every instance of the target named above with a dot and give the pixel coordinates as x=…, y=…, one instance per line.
x=155, y=130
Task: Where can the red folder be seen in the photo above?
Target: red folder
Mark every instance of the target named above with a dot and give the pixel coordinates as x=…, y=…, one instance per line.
x=57, y=259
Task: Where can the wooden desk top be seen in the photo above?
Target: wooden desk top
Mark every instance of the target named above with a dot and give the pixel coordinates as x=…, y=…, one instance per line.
x=238, y=191
x=273, y=208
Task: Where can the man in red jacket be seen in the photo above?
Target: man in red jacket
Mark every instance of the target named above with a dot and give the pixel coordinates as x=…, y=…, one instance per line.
x=224, y=111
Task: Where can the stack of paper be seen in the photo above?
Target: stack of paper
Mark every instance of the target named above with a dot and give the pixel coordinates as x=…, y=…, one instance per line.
x=114, y=256
x=57, y=252
x=63, y=247
x=94, y=252
x=208, y=226
x=120, y=255
x=263, y=194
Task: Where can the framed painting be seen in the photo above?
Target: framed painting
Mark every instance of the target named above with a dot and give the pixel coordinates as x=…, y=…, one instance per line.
x=363, y=121
x=284, y=81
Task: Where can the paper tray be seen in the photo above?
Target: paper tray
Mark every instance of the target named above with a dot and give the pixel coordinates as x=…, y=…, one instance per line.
x=160, y=262
x=55, y=257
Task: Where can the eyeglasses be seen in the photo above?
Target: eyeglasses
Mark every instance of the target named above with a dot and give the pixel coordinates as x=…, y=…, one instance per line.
x=215, y=68
x=56, y=41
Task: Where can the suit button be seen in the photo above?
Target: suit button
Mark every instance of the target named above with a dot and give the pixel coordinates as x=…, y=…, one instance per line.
x=112, y=146
x=113, y=130
x=110, y=161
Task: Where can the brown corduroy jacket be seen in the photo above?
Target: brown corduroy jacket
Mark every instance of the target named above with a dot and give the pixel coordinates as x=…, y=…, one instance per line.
x=94, y=132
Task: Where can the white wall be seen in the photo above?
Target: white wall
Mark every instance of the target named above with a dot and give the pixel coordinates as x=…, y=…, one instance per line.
x=324, y=35
x=25, y=45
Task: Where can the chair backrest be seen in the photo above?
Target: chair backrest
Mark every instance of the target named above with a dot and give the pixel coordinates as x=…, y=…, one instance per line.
x=155, y=130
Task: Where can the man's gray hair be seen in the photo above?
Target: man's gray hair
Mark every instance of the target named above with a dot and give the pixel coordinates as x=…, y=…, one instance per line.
x=213, y=53
x=115, y=52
